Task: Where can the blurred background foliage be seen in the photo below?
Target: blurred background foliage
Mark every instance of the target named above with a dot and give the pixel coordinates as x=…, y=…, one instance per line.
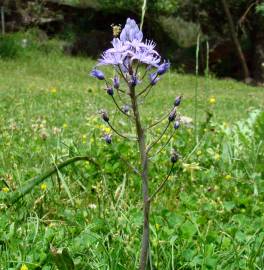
x=84, y=26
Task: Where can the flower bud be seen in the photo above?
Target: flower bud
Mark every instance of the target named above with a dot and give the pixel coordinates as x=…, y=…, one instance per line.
x=163, y=68
x=125, y=108
x=174, y=157
x=110, y=91
x=177, y=101
x=105, y=117
x=153, y=77
x=176, y=124
x=134, y=80
x=116, y=82
x=172, y=115
x=108, y=138
x=97, y=74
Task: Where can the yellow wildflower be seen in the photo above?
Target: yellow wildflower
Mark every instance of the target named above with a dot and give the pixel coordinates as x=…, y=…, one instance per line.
x=65, y=125
x=157, y=226
x=23, y=267
x=43, y=186
x=199, y=152
x=212, y=100
x=84, y=137
x=106, y=130
x=228, y=177
x=53, y=90
x=216, y=156
x=5, y=189
x=225, y=125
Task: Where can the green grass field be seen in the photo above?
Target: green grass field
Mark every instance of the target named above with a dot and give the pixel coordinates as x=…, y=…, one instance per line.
x=209, y=216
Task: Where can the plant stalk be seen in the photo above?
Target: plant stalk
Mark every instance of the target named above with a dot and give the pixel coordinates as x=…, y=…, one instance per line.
x=144, y=177
x=15, y=196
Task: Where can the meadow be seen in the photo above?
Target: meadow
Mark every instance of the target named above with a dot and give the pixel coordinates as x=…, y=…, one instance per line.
x=88, y=215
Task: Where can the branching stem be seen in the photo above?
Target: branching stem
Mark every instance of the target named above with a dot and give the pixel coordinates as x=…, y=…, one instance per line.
x=159, y=138
x=118, y=133
x=162, y=184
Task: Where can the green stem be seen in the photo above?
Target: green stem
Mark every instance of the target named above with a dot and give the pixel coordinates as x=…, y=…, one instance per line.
x=15, y=196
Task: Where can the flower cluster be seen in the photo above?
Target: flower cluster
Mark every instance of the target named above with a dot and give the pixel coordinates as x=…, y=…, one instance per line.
x=129, y=50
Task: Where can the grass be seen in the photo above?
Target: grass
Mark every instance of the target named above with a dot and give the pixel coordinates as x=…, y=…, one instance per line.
x=208, y=217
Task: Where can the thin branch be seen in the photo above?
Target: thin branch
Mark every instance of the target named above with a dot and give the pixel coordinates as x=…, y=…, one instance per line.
x=157, y=140
x=143, y=91
x=120, y=108
x=162, y=184
x=135, y=170
x=119, y=134
x=122, y=74
x=159, y=121
x=243, y=17
x=167, y=142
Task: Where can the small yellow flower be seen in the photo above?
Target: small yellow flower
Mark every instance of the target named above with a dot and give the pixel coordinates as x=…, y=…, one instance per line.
x=53, y=90
x=84, y=137
x=157, y=226
x=225, y=125
x=217, y=156
x=43, y=186
x=106, y=130
x=228, y=177
x=5, y=189
x=199, y=152
x=23, y=267
x=65, y=125
x=212, y=100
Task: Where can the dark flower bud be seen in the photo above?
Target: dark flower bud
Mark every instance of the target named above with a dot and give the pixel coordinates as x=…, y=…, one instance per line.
x=110, y=91
x=125, y=108
x=172, y=115
x=105, y=116
x=176, y=124
x=116, y=82
x=153, y=77
x=177, y=101
x=97, y=74
x=163, y=68
x=108, y=138
x=174, y=157
x=134, y=80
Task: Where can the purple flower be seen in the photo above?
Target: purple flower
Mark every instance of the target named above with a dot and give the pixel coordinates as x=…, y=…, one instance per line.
x=176, y=124
x=108, y=138
x=163, y=68
x=125, y=108
x=131, y=32
x=172, y=115
x=97, y=74
x=110, y=91
x=130, y=48
x=134, y=80
x=174, y=156
x=177, y=101
x=153, y=77
x=105, y=116
x=116, y=82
